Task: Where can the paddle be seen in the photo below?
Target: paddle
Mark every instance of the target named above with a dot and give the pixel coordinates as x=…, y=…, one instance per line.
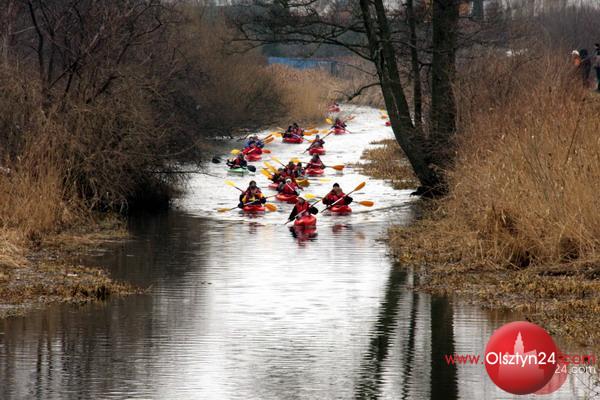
x=336, y=167
x=323, y=138
x=329, y=121
x=277, y=160
x=269, y=206
x=271, y=168
x=360, y=186
x=303, y=182
x=266, y=173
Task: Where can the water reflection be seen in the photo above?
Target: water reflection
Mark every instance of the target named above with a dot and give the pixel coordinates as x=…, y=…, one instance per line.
x=331, y=320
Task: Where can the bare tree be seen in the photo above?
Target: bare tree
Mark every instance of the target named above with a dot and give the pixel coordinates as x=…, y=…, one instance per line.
x=364, y=29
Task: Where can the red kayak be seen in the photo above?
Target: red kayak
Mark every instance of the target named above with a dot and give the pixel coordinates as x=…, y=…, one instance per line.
x=314, y=171
x=293, y=139
x=339, y=131
x=253, y=157
x=288, y=198
x=316, y=150
x=306, y=221
x=388, y=123
x=341, y=209
x=273, y=186
x=254, y=208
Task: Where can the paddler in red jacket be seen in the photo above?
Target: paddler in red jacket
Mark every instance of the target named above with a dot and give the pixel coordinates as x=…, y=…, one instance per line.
x=290, y=170
x=302, y=207
x=317, y=143
x=289, y=187
x=339, y=124
x=252, y=195
x=335, y=195
x=315, y=163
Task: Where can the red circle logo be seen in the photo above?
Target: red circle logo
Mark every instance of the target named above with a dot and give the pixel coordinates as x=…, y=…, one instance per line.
x=521, y=358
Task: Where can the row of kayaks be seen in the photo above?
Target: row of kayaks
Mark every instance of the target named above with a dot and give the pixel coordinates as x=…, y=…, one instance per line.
x=257, y=208
x=300, y=139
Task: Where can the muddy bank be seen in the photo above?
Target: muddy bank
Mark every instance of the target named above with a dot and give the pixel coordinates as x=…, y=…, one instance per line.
x=36, y=273
x=563, y=298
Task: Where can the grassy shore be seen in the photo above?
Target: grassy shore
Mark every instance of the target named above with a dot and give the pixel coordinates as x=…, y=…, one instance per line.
x=520, y=229
x=37, y=273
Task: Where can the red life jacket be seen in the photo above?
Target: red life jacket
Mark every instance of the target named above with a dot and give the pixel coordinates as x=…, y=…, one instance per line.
x=301, y=208
x=252, y=150
x=332, y=197
x=317, y=143
x=289, y=188
x=315, y=165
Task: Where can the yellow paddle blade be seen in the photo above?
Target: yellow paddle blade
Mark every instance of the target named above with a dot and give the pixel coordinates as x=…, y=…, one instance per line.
x=360, y=186
x=366, y=203
x=338, y=167
x=308, y=196
x=324, y=180
x=312, y=128
x=329, y=121
x=269, y=140
x=295, y=160
x=277, y=134
x=324, y=130
x=310, y=133
x=266, y=173
x=271, y=168
x=277, y=160
x=266, y=151
x=270, y=207
x=280, y=128
x=221, y=210
x=303, y=182
x=235, y=152
x=230, y=183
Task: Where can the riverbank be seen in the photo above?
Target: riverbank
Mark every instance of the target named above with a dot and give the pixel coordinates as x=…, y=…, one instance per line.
x=505, y=250
x=37, y=273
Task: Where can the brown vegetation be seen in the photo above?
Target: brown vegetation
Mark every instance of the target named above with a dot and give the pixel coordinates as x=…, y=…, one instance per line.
x=387, y=161
x=97, y=100
x=521, y=226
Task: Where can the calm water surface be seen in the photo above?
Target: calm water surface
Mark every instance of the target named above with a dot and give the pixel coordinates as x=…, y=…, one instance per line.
x=239, y=308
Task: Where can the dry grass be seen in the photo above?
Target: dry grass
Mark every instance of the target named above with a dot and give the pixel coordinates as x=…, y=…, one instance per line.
x=305, y=94
x=521, y=228
x=388, y=162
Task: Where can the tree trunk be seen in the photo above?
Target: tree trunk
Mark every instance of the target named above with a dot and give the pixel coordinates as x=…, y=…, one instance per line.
x=383, y=53
x=414, y=56
x=443, y=71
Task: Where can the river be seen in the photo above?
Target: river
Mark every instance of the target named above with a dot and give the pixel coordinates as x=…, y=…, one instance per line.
x=239, y=308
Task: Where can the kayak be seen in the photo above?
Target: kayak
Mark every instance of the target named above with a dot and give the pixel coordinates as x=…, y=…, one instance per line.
x=288, y=198
x=253, y=157
x=237, y=170
x=314, y=171
x=273, y=186
x=293, y=139
x=306, y=221
x=253, y=208
x=339, y=131
x=316, y=150
x=343, y=209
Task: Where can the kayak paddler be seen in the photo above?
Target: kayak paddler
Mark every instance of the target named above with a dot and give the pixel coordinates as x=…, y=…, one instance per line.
x=289, y=187
x=317, y=143
x=315, y=163
x=237, y=162
x=252, y=195
x=302, y=207
x=336, y=194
